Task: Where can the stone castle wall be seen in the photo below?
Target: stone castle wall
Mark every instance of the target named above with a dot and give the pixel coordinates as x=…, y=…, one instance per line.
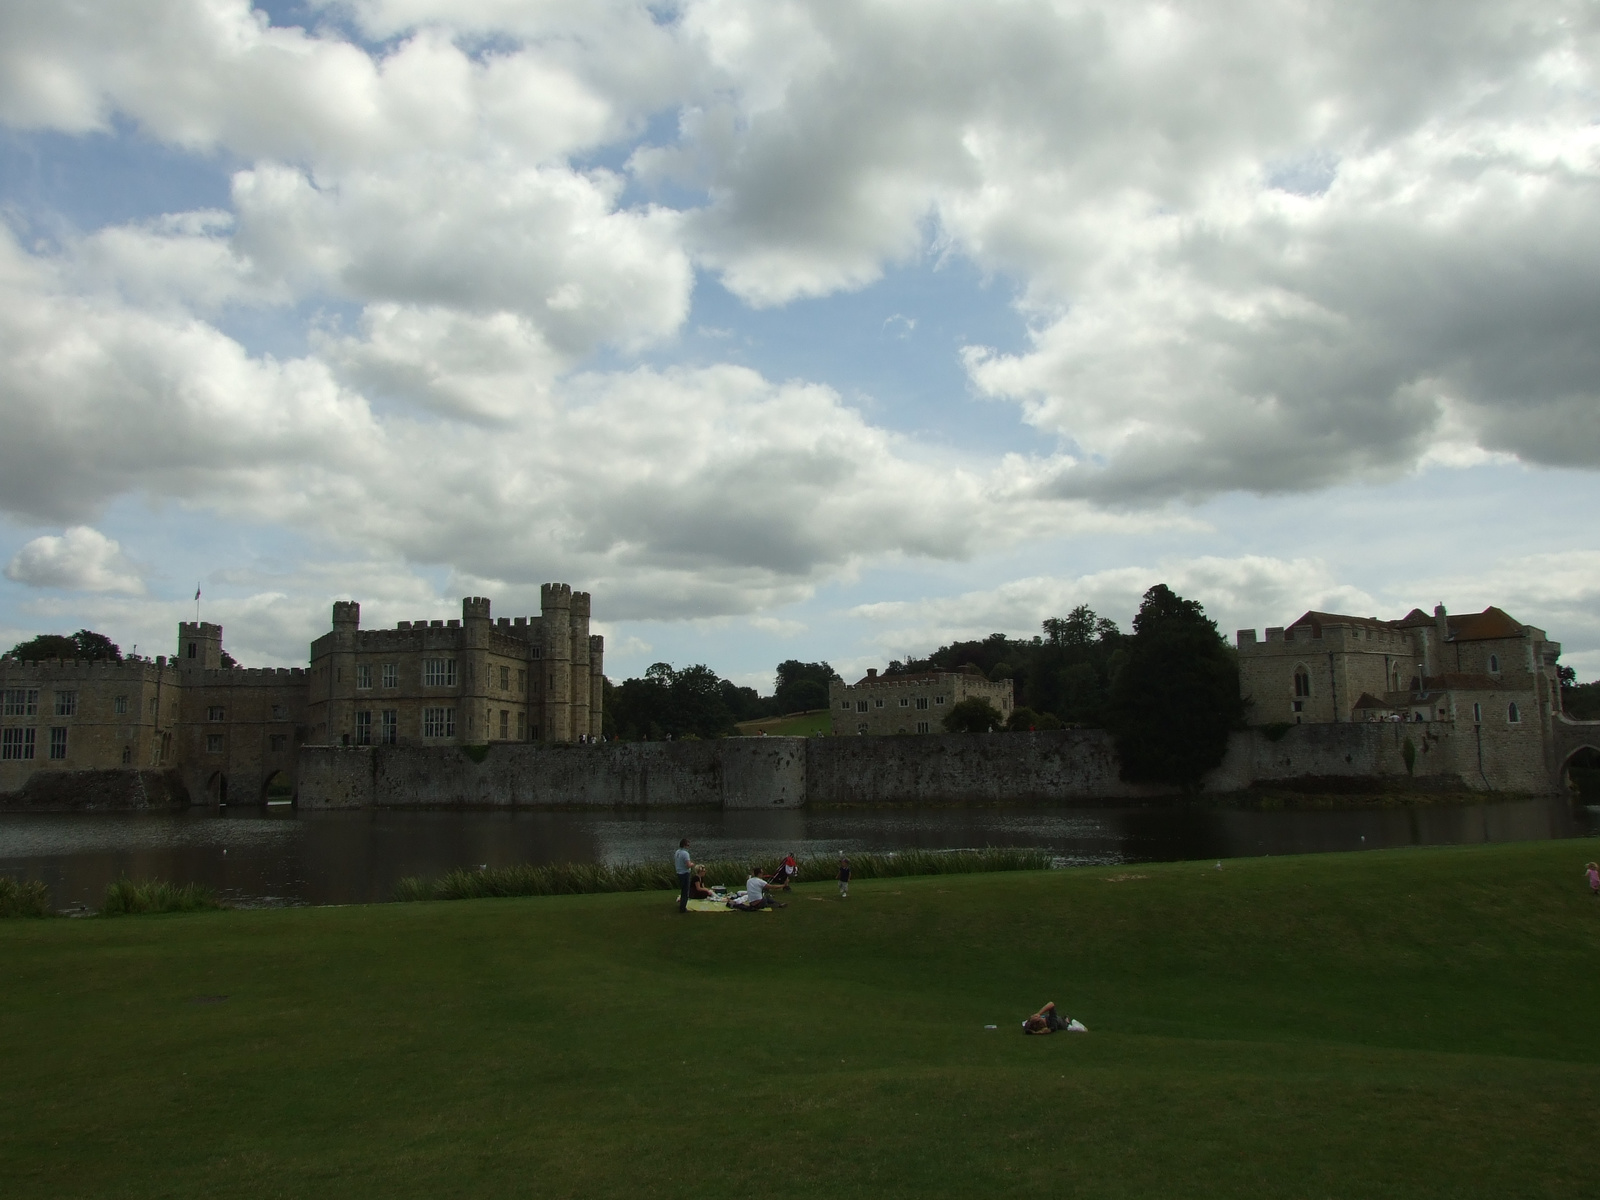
x=1055, y=767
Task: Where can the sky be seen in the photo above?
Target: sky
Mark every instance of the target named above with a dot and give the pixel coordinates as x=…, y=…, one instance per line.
x=829, y=330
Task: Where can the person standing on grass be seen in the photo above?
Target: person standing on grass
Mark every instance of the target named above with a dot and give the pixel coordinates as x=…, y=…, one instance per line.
x=1593, y=872
x=844, y=877
x=683, y=865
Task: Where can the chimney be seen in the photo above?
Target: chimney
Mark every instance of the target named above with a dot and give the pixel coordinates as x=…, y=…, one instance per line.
x=872, y=672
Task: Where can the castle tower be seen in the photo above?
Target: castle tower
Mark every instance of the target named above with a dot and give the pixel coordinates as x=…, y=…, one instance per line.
x=580, y=663
x=555, y=607
x=597, y=683
x=199, y=646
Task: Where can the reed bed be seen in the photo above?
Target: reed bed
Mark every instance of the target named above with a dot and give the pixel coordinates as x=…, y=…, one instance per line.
x=24, y=898
x=127, y=897
x=567, y=879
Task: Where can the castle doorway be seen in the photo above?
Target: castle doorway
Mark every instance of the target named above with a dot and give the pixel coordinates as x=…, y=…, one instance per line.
x=277, y=789
x=217, y=788
x=1581, y=774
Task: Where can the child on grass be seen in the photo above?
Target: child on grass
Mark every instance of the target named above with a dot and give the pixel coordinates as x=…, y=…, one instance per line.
x=844, y=877
x=1593, y=872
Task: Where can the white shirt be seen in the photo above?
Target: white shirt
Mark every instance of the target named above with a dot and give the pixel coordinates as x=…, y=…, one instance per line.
x=755, y=889
x=680, y=861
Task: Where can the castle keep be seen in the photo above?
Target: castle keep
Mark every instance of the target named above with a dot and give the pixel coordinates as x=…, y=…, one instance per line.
x=231, y=735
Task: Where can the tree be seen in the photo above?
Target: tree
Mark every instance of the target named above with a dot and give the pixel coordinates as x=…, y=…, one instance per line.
x=1176, y=698
x=692, y=702
x=86, y=643
x=802, y=686
x=973, y=715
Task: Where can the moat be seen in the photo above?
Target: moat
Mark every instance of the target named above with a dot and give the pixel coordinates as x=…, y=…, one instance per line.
x=280, y=857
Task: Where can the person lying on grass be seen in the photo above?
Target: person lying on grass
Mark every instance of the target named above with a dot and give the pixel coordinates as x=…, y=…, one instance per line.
x=755, y=893
x=1047, y=1020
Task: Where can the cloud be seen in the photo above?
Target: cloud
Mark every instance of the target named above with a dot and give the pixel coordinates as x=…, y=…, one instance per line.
x=1244, y=592
x=81, y=559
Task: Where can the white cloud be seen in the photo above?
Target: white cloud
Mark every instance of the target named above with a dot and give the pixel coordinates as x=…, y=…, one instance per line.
x=81, y=559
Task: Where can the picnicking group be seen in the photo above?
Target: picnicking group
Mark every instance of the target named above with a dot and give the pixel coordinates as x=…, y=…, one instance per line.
x=758, y=888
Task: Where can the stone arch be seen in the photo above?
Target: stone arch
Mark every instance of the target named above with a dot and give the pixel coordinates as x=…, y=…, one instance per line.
x=1580, y=772
x=277, y=788
x=216, y=789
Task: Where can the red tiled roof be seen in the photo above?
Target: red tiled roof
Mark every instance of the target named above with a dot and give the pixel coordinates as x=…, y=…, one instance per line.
x=1318, y=619
x=1490, y=624
x=1368, y=700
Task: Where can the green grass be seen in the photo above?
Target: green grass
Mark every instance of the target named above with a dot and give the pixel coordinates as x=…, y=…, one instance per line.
x=576, y=879
x=803, y=724
x=1390, y=1024
x=127, y=897
x=24, y=898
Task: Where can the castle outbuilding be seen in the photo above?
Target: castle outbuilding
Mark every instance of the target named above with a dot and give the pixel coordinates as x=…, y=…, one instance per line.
x=228, y=735
x=913, y=703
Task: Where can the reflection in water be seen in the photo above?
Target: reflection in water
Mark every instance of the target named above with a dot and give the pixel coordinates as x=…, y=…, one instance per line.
x=281, y=857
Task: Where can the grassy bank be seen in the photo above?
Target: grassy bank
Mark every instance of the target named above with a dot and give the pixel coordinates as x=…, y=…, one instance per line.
x=577, y=879
x=1411, y=1023
x=802, y=724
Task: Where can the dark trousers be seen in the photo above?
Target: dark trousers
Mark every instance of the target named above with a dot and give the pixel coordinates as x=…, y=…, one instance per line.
x=683, y=890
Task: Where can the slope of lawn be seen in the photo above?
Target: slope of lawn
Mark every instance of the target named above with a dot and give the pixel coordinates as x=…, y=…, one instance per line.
x=801, y=724
x=1408, y=1023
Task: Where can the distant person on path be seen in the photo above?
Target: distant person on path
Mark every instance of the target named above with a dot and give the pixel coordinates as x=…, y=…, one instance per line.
x=1593, y=872
x=683, y=864
x=844, y=877
x=1047, y=1020
x=755, y=893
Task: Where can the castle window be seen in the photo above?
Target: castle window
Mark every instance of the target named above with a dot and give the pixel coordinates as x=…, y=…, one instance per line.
x=389, y=726
x=127, y=755
x=505, y=679
x=505, y=722
x=119, y=705
x=1299, y=706
x=877, y=703
x=216, y=713
x=363, y=676
x=522, y=725
x=538, y=651
x=922, y=702
x=938, y=699
x=16, y=743
x=438, y=722
x=922, y=727
x=1513, y=716
x=861, y=706
x=191, y=649
x=861, y=728
x=391, y=675
x=21, y=702
x=1302, y=682
x=213, y=743
x=278, y=742
x=66, y=704
x=905, y=702
x=58, y=742
x=364, y=728
x=1494, y=664
x=845, y=704
x=439, y=672
x=1477, y=713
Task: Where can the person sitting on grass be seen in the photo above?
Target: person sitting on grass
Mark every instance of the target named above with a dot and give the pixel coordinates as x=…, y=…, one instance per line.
x=1047, y=1020
x=755, y=893
x=698, y=890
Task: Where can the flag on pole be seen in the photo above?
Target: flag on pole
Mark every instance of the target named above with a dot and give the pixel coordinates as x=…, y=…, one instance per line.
x=197, y=591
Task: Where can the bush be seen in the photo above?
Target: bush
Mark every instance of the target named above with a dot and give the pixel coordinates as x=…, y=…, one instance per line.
x=973, y=715
x=136, y=896
x=566, y=879
x=24, y=898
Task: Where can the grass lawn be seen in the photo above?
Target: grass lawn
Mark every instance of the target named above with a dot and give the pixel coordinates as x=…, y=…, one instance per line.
x=805, y=724
x=1406, y=1023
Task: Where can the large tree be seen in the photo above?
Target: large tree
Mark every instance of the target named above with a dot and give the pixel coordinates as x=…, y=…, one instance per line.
x=1176, y=697
x=86, y=643
x=801, y=686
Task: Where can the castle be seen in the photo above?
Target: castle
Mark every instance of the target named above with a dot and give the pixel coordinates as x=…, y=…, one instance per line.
x=916, y=703
x=1482, y=687
x=233, y=735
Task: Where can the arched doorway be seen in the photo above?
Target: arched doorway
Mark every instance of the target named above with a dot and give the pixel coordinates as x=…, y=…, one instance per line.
x=217, y=788
x=1581, y=774
x=277, y=789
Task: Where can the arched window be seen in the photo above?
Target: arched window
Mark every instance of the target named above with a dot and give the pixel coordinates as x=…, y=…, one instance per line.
x=1512, y=715
x=1302, y=682
x=1494, y=664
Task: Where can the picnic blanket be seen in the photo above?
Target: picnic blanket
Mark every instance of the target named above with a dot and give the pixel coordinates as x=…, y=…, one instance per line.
x=720, y=905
